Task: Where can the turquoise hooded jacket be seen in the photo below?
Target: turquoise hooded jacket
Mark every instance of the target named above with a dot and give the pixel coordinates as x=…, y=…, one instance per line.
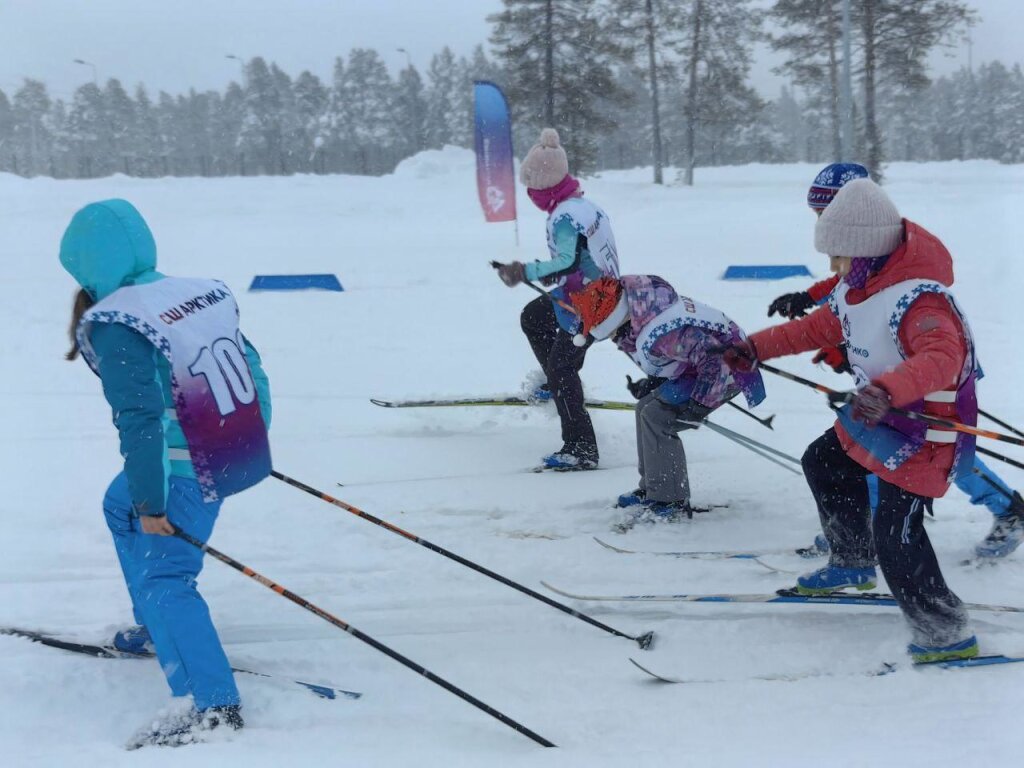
x=107, y=246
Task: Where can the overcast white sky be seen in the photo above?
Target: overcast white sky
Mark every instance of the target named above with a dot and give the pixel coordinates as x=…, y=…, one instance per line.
x=175, y=44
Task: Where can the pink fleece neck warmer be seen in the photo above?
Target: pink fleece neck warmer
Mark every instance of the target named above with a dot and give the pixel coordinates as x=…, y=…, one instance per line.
x=547, y=199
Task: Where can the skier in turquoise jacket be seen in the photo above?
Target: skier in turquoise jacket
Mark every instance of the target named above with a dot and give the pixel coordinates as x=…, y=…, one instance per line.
x=191, y=404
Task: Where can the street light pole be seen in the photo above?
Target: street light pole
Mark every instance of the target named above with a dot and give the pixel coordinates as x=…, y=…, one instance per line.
x=95, y=79
x=241, y=66
x=408, y=58
x=846, y=91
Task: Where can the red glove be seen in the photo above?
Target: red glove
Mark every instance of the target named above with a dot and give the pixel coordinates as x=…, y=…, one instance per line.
x=740, y=356
x=835, y=358
x=870, y=404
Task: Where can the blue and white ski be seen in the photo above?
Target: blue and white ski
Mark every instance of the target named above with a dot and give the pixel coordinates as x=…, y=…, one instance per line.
x=109, y=652
x=753, y=557
x=780, y=596
x=886, y=668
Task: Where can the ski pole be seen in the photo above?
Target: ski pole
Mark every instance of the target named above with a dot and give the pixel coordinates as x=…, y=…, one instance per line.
x=227, y=560
x=999, y=456
x=564, y=305
x=744, y=442
x=1001, y=423
x=738, y=436
x=993, y=483
x=644, y=640
x=765, y=422
x=845, y=397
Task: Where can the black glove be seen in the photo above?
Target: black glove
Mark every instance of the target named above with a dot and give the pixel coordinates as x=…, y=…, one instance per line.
x=692, y=411
x=642, y=388
x=511, y=274
x=791, y=305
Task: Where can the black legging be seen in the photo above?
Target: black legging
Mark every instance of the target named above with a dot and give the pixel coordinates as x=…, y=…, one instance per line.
x=897, y=534
x=561, y=361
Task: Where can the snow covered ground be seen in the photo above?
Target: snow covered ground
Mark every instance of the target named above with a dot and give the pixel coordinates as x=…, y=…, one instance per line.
x=422, y=314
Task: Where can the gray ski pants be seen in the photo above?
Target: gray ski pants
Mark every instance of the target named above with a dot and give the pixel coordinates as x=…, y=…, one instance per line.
x=661, y=458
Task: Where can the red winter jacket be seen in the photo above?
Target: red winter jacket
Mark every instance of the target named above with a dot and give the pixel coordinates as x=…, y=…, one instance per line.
x=821, y=289
x=932, y=337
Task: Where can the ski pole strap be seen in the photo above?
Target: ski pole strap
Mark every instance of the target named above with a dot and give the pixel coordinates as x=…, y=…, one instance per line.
x=837, y=396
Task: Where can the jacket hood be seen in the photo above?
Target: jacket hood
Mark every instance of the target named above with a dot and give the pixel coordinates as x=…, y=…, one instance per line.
x=646, y=296
x=921, y=256
x=108, y=245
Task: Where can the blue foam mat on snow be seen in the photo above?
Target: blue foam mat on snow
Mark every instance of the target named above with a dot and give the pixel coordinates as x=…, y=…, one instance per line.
x=766, y=272
x=295, y=283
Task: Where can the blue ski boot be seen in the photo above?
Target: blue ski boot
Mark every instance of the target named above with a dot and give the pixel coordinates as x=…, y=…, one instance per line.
x=817, y=549
x=1007, y=532
x=563, y=461
x=176, y=729
x=833, y=577
x=540, y=394
x=635, y=498
x=134, y=640
x=926, y=654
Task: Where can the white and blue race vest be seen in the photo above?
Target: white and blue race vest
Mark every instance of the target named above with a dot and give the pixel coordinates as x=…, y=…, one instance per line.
x=687, y=312
x=871, y=334
x=193, y=323
x=591, y=222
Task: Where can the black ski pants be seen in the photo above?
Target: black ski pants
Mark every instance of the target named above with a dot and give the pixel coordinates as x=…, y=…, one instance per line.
x=561, y=361
x=896, y=534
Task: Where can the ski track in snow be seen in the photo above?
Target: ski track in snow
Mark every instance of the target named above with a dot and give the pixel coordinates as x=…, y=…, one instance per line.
x=423, y=315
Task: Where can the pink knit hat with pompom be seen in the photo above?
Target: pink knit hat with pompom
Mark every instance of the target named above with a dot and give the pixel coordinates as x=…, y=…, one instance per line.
x=545, y=164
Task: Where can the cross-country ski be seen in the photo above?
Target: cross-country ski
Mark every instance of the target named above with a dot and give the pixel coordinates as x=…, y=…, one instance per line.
x=331, y=329
x=779, y=596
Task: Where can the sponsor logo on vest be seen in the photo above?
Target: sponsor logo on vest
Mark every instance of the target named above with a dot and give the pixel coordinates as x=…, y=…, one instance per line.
x=850, y=348
x=190, y=307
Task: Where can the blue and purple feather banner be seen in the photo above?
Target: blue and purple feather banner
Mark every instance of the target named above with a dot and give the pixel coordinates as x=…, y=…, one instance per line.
x=495, y=175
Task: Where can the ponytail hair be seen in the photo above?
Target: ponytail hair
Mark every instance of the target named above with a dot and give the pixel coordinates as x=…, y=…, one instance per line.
x=83, y=301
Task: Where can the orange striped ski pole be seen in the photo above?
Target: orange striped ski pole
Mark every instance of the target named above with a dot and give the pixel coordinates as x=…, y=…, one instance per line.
x=301, y=601
x=836, y=396
x=644, y=640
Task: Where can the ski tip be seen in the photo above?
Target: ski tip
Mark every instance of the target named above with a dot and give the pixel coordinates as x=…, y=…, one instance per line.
x=645, y=641
x=382, y=403
x=612, y=547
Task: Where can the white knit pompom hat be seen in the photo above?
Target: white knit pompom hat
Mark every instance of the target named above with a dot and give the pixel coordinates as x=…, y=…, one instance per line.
x=545, y=164
x=860, y=222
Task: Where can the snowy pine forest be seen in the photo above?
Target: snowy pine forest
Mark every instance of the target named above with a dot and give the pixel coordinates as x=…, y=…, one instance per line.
x=629, y=83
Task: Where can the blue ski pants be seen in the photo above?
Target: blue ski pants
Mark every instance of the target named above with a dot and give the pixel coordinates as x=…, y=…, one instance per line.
x=160, y=572
x=974, y=485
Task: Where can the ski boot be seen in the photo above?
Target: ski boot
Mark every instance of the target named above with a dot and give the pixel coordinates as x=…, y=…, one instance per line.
x=649, y=512
x=540, y=394
x=134, y=639
x=833, y=577
x=1007, y=532
x=817, y=549
x=187, y=727
x=635, y=498
x=564, y=461
x=926, y=654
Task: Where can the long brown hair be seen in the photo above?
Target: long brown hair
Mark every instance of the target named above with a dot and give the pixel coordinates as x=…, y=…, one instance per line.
x=80, y=306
